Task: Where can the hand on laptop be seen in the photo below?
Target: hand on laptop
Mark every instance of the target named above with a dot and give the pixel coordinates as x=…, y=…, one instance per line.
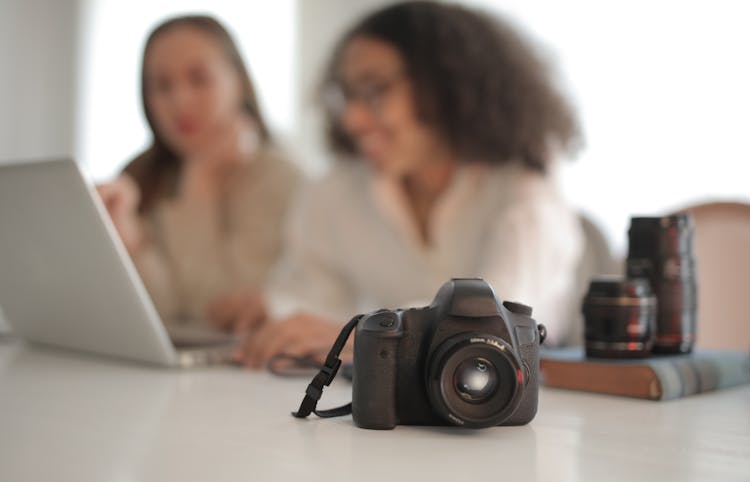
x=299, y=335
x=238, y=312
x=121, y=198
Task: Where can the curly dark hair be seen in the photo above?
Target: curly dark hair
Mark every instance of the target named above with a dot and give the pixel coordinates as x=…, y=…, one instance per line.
x=477, y=81
x=157, y=168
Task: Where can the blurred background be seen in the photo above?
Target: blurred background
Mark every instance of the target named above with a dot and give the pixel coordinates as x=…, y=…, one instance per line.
x=661, y=87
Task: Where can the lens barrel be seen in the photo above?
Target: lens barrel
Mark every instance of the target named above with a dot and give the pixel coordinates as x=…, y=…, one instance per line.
x=620, y=318
x=661, y=250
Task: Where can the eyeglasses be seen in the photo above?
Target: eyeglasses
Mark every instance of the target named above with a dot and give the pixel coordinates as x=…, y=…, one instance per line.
x=371, y=94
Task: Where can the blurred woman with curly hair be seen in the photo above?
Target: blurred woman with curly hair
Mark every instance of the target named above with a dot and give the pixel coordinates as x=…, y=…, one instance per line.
x=448, y=130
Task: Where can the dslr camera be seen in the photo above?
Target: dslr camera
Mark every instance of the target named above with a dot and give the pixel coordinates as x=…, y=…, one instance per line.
x=466, y=360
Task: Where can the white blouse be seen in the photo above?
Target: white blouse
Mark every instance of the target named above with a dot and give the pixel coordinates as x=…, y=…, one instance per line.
x=352, y=244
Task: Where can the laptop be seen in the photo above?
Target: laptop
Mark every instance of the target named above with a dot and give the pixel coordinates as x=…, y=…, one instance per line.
x=67, y=280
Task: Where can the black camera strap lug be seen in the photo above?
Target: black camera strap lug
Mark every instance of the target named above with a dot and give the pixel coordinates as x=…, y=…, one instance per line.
x=324, y=378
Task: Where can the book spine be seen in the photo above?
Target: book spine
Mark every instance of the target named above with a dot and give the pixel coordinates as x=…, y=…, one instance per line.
x=680, y=377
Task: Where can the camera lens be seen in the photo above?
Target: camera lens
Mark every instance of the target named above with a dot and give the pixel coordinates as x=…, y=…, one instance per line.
x=661, y=250
x=475, y=379
x=620, y=317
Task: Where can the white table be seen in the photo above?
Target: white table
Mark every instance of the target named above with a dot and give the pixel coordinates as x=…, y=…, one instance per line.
x=65, y=416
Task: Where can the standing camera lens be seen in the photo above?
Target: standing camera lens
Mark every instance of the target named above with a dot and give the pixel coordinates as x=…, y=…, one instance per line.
x=620, y=317
x=475, y=380
x=661, y=250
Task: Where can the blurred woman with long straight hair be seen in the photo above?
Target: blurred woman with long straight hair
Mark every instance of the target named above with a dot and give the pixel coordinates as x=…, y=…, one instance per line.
x=200, y=211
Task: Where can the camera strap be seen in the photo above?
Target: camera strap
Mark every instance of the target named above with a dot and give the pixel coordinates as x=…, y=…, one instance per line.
x=324, y=378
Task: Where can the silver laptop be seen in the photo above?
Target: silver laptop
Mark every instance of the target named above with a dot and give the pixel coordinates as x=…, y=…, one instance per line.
x=67, y=280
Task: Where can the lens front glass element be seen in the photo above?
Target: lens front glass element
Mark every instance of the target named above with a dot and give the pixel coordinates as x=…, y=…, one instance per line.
x=475, y=379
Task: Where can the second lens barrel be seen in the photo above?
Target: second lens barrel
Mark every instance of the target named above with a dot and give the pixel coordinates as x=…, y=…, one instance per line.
x=661, y=250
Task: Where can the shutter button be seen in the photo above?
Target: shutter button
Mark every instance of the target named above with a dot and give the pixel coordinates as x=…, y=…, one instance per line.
x=387, y=320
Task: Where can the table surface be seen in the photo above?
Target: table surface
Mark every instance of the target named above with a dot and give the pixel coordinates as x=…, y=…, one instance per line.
x=68, y=416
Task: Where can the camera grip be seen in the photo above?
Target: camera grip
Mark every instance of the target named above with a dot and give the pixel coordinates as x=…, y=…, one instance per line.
x=374, y=382
x=529, y=404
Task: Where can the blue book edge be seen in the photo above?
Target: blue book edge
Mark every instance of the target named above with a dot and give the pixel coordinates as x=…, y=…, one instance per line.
x=678, y=375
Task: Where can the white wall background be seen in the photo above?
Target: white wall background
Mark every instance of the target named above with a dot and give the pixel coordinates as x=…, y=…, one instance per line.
x=661, y=86
x=38, y=71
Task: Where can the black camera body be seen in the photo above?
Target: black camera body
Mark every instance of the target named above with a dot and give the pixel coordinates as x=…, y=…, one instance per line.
x=465, y=360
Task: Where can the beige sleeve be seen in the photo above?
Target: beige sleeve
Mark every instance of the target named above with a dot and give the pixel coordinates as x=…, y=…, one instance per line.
x=254, y=242
x=220, y=248
x=191, y=235
x=157, y=277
